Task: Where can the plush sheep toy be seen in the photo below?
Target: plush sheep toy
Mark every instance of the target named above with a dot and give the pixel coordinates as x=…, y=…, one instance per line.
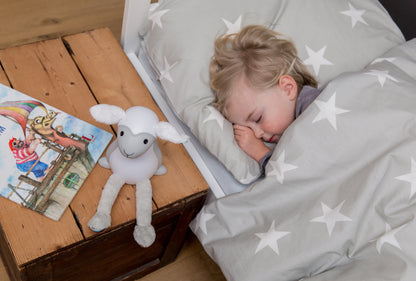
x=134, y=157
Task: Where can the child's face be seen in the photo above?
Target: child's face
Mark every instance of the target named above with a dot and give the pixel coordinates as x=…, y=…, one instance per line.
x=267, y=112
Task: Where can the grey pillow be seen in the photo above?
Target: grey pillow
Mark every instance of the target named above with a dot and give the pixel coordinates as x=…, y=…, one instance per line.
x=346, y=34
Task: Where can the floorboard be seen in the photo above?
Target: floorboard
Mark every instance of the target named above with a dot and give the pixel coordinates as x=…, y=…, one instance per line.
x=27, y=21
x=192, y=264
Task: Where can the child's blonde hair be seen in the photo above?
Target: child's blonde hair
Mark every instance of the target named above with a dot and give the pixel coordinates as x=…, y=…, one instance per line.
x=261, y=55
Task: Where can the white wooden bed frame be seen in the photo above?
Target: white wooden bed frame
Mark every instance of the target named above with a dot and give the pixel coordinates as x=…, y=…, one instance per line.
x=135, y=17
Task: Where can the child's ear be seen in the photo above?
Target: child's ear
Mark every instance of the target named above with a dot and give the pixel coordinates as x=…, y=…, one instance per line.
x=289, y=86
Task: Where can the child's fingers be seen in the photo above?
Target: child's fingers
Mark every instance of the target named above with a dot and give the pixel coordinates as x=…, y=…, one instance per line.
x=239, y=132
x=241, y=128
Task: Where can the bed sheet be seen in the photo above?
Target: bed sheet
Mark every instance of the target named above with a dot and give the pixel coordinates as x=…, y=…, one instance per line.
x=338, y=199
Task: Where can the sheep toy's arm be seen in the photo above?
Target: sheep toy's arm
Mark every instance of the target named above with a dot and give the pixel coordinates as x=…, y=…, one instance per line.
x=104, y=161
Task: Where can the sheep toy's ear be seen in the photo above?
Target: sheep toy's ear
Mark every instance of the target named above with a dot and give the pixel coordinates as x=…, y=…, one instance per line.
x=107, y=114
x=166, y=131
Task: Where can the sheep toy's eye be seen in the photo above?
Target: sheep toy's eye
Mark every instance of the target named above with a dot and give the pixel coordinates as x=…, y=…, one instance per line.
x=121, y=133
x=145, y=141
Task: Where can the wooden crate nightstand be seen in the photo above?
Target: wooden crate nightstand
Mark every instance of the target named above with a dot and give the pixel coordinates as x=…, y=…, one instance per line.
x=74, y=73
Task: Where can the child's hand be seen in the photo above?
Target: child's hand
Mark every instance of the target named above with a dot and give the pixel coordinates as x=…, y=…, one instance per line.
x=248, y=142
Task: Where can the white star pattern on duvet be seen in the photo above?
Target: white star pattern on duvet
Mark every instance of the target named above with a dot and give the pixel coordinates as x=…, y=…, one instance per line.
x=389, y=237
x=165, y=73
x=331, y=216
x=382, y=76
x=202, y=219
x=214, y=115
x=233, y=27
x=383, y=59
x=280, y=167
x=328, y=111
x=269, y=239
x=355, y=15
x=316, y=59
x=411, y=178
x=155, y=18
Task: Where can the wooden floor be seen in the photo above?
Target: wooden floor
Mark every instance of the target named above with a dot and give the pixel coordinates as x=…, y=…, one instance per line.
x=27, y=21
x=192, y=264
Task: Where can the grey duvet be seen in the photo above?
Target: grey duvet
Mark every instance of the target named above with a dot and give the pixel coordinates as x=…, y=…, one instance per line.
x=338, y=198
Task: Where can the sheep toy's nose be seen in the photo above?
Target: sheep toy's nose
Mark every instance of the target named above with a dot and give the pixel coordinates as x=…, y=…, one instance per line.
x=133, y=145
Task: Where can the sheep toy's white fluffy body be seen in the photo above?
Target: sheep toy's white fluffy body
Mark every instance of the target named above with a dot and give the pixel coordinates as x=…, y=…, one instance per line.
x=134, y=157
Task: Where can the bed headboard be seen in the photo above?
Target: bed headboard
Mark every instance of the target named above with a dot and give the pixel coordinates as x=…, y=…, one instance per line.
x=403, y=13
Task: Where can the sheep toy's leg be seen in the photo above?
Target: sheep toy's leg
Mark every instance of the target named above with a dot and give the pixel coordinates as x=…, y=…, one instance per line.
x=102, y=219
x=144, y=233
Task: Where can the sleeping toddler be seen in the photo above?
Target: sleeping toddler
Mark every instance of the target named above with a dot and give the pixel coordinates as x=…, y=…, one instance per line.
x=260, y=86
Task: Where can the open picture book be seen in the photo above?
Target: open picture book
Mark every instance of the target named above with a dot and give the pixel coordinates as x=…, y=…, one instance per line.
x=46, y=154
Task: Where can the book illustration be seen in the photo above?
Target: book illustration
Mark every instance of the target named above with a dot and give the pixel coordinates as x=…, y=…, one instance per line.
x=46, y=154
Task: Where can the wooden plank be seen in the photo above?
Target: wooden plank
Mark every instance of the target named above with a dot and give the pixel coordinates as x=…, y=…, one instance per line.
x=86, y=201
x=32, y=235
x=111, y=255
x=85, y=205
x=44, y=71
x=3, y=78
x=26, y=21
x=111, y=77
x=108, y=72
x=67, y=91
